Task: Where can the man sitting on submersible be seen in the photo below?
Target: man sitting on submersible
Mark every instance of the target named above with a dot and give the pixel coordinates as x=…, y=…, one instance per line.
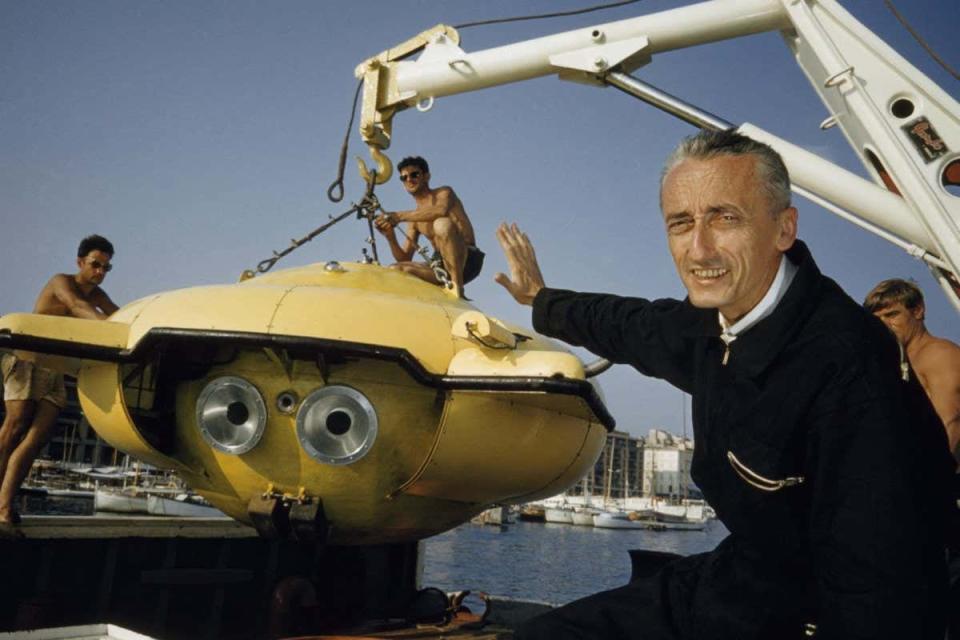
x=441, y=218
x=828, y=469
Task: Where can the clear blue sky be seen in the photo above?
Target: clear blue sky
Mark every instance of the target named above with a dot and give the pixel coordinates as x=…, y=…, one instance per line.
x=201, y=135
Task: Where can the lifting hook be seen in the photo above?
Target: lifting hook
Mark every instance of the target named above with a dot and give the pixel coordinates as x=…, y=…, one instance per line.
x=384, y=167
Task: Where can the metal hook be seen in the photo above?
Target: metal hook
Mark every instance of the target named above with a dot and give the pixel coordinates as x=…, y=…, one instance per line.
x=384, y=166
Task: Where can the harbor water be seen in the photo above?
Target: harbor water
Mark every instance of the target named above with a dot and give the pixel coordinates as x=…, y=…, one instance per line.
x=553, y=563
x=543, y=562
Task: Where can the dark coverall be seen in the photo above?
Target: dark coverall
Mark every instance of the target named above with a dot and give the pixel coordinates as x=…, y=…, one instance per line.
x=830, y=472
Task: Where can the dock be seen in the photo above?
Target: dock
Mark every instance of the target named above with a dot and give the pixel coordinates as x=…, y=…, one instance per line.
x=170, y=578
x=193, y=578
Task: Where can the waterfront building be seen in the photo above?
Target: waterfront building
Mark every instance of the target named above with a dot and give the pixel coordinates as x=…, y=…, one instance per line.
x=618, y=472
x=666, y=466
x=655, y=466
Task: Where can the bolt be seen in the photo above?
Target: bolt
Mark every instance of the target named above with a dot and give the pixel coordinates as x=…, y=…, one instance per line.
x=600, y=63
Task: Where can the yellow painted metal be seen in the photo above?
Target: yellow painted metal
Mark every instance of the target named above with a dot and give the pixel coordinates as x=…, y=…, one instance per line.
x=95, y=332
x=355, y=496
x=439, y=456
x=473, y=325
x=101, y=399
x=520, y=362
x=495, y=447
x=65, y=329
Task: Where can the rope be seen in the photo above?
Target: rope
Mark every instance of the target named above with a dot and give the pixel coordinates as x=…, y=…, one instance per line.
x=920, y=40
x=338, y=183
x=540, y=16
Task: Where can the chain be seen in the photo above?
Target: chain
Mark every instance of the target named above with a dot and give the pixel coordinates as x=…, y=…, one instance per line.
x=441, y=273
x=366, y=208
x=436, y=264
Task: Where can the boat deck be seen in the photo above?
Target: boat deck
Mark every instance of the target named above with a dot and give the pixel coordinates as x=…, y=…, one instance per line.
x=112, y=526
x=168, y=577
x=192, y=578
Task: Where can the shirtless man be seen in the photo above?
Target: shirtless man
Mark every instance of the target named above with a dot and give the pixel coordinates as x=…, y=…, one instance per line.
x=34, y=395
x=441, y=218
x=935, y=361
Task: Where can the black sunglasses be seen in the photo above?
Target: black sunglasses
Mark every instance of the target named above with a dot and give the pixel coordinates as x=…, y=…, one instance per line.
x=413, y=175
x=96, y=264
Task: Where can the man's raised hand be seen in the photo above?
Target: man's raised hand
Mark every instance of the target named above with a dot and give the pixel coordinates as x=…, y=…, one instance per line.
x=525, y=279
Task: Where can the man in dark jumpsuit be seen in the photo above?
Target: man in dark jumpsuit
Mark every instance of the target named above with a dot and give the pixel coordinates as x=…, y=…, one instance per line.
x=829, y=471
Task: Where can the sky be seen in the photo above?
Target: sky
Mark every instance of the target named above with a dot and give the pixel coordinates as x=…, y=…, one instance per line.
x=199, y=136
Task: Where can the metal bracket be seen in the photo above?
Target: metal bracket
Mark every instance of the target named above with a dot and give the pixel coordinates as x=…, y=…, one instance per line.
x=588, y=64
x=278, y=515
x=308, y=522
x=282, y=358
x=380, y=102
x=270, y=516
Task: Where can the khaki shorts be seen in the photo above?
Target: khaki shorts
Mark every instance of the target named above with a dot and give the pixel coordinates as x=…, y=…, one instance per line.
x=23, y=380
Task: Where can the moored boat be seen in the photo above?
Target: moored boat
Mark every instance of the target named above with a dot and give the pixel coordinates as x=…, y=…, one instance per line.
x=497, y=516
x=127, y=500
x=616, y=520
x=679, y=525
x=584, y=517
x=183, y=505
x=559, y=515
x=532, y=513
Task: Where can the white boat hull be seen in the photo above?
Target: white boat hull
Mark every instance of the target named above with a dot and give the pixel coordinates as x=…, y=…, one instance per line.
x=690, y=525
x=616, y=521
x=499, y=516
x=160, y=506
x=622, y=521
x=583, y=518
x=119, y=502
x=559, y=516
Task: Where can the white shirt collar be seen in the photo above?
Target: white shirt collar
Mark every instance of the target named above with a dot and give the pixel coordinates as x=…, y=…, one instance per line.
x=781, y=282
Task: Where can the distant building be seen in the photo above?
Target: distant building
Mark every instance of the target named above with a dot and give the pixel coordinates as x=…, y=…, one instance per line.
x=666, y=466
x=617, y=473
x=631, y=466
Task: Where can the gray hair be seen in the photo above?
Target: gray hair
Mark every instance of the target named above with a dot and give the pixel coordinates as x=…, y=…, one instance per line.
x=771, y=171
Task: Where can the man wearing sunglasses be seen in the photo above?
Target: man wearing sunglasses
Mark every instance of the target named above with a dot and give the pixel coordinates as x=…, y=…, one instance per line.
x=33, y=394
x=441, y=218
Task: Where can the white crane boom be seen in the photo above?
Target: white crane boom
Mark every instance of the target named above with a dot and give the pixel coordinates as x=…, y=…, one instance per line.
x=904, y=128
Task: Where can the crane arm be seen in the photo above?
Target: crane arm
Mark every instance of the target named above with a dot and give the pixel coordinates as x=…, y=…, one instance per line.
x=904, y=128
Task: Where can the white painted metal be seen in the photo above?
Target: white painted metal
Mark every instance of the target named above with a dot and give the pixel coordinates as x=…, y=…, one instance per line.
x=445, y=69
x=827, y=42
x=858, y=77
x=845, y=188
